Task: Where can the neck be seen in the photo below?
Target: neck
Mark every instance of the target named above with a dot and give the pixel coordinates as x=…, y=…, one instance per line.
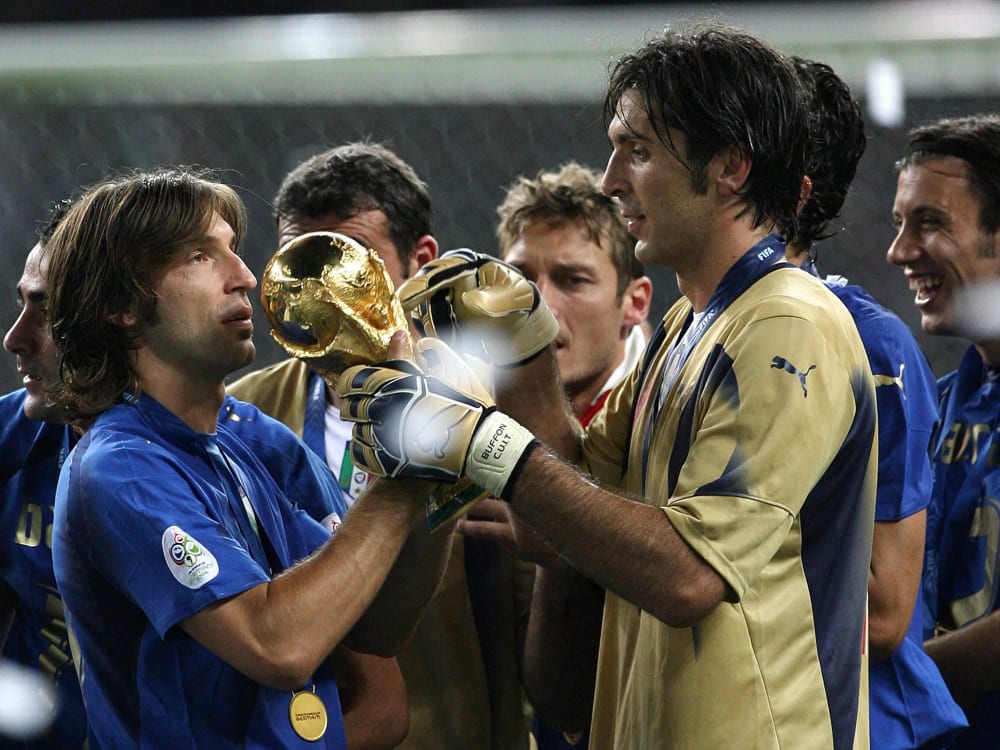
x=581, y=398
x=193, y=398
x=584, y=394
x=795, y=256
x=699, y=282
x=990, y=352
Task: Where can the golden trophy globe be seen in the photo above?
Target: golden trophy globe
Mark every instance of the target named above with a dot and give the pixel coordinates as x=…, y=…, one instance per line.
x=331, y=303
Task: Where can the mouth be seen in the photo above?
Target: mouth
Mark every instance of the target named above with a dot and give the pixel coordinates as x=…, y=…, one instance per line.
x=633, y=220
x=925, y=287
x=30, y=379
x=241, y=315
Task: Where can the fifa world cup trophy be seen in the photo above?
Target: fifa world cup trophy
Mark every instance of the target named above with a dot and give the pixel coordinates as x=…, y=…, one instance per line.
x=331, y=304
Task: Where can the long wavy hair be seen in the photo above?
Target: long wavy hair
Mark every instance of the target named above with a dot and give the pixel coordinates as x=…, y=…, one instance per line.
x=723, y=87
x=106, y=258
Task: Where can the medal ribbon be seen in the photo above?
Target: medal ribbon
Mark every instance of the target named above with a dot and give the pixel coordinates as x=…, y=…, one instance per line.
x=242, y=508
x=755, y=263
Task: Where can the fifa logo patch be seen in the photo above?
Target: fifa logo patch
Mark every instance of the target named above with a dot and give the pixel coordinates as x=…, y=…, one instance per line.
x=191, y=564
x=780, y=363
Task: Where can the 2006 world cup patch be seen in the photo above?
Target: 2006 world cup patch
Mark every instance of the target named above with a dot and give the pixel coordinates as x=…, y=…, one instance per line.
x=189, y=562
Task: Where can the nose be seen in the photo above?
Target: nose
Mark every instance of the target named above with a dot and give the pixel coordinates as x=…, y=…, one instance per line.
x=612, y=184
x=550, y=293
x=18, y=339
x=242, y=278
x=903, y=250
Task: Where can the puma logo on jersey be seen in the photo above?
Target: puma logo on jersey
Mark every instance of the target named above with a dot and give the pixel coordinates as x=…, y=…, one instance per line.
x=780, y=363
x=890, y=380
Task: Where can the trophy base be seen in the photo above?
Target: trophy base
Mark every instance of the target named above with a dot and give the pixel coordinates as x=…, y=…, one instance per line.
x=448, y=501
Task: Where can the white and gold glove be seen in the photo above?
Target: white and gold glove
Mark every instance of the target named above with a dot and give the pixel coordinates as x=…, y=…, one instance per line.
x=481, y=305
x=412, y=424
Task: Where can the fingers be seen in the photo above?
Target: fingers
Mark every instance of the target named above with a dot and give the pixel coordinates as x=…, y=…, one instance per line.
x=501, y=290
x=399, y=345
x=433, y=277
x=490, y=530
x=443, y=363
x=491, y=509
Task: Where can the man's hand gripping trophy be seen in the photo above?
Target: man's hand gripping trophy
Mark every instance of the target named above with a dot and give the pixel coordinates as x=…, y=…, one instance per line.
x=331, y=303
x=441, y=423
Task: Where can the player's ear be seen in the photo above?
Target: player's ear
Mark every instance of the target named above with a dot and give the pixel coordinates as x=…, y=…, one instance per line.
x=804, y=192
x=735, y=168
x=424, y=250
x=636, y=300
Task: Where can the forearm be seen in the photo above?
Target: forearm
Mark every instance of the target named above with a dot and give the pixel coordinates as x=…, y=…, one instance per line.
x=893, y=580
x=969, y=658
x=372, y=698
x=532, y=394
x=560, y=653
x=390, y=619
x=624, y=545
x=279, y=632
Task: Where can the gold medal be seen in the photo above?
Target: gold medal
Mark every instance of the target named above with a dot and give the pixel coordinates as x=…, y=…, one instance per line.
x=307, y=714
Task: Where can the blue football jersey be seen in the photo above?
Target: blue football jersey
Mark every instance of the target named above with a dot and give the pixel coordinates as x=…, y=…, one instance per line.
x=31, y=454
x=149, y=531
x=909, y=702
x=961, y=565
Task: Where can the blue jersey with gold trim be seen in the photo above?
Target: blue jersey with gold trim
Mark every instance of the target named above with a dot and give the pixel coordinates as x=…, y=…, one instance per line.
x=961, y=565
x=31, y=454
x=149, y=530
x=910, y=705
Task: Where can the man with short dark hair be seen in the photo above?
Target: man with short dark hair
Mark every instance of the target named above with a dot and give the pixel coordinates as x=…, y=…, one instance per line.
x=461, y=666
x=725, y=583
x=947, y=216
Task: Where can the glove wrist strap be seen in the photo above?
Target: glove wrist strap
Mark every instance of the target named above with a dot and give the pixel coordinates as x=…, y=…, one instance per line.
x=495, y=452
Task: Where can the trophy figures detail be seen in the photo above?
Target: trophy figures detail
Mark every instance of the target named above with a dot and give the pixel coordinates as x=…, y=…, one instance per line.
x=331, y=304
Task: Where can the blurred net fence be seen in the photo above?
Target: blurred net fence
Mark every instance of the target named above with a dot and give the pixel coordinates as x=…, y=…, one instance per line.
x=467, y=153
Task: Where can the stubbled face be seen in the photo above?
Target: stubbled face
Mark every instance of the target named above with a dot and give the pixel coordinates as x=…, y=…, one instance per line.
x=580, y=285
x=204, y=328
x=939, y=244
x=30, y=338
x=669, y=220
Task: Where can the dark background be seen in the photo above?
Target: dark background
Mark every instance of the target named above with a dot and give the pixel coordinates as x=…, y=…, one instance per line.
x=467, y=153
x=25, y=11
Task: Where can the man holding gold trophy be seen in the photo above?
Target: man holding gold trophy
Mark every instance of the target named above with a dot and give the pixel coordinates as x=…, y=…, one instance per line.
x=460, y=667
x=203, y=603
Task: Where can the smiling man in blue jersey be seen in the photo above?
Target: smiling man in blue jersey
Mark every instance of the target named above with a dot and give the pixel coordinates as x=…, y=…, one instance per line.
x=947, y=215
x=723, y=577
x=204, y=601
x=34, y=442
x=910, y=706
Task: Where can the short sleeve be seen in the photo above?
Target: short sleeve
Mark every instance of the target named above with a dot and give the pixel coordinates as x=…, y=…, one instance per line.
x=150, y=535
x=775, y=406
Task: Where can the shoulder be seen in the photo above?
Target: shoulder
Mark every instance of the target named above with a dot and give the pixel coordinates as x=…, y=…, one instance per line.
x=276, y=378
x=16, y=429
x=280, y=391
x=791, y=298
x=251, y=423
